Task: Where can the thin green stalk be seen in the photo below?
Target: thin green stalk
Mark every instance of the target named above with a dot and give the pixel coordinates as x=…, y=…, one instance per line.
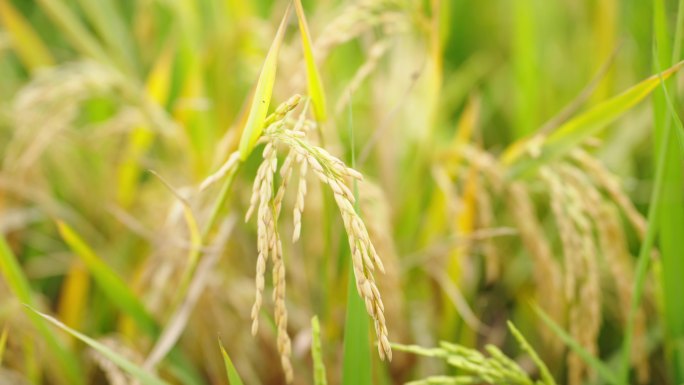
x=654, y=217
x=15, y=279
x=671, y=205
x=356, y=364
x=526, y=67
x=216, y=211
x=679, y=33
x=74, y=30
x=601, y=369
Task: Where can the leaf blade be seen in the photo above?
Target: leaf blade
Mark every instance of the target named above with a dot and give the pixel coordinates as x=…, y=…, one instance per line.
x=262, y=93
x=579, y=128
x=113, y=286
x=27, y=43
x=231, y=372
x=18, y=284
x=313, y=78
x=134, y=370
x=587, y=357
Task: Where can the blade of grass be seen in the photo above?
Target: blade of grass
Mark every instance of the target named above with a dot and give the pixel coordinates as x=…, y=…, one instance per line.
x=121, y=296
x=313, y=79
x=114, y=287
x=106, y=19
x=317, y=353
x=3, y=342
x=665, y=217
x=66, y=361
x=579, y=128
x=74, y=294
x=74, y=30
x=27, y=43
x=527, y=348
x=587, y=357
x=526, y=66
x=233, y=376
x=262, y=94
x=356, y=361
x=144, y=377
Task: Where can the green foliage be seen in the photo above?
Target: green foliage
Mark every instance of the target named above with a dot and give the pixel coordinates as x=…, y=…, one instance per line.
x=474, y=205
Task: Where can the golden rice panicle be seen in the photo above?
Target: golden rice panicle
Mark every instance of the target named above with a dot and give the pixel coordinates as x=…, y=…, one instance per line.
x=572, y=210
x=285, y=175
x=613, y=245
x=266, y=232
x=269, y=244
x=299, y=203
x=332, y=171
x=611, y=184
x=284, y=344
x=547, y=272
x=376, y=214
x=572, y=246
x=570, y=241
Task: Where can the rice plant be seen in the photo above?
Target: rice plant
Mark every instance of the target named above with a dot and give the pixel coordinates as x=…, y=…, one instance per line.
x=443, y=192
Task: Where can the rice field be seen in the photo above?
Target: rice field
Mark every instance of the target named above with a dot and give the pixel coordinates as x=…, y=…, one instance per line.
x=328, y=192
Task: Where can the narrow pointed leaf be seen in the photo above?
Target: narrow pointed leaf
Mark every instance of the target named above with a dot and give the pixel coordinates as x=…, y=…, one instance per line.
x=73, y=29
x=18, y=284
x=356, y=361
x=233, y=376
x=144, y=377
x=262, y=94
x=3, y=342
x=113, y=286
x=107, y=20
x=26, y=42
x=313, y=79
x=581, y=127
x=587, y=357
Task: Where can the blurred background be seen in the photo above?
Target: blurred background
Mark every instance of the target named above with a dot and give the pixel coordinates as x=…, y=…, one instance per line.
x=97, y=94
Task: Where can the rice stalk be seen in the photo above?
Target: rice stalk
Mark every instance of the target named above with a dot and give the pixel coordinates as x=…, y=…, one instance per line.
x=266, y=202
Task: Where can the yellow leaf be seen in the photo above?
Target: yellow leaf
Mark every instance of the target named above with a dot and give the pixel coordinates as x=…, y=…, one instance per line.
x=313, y=79
x=74, y=294
x=30, y=48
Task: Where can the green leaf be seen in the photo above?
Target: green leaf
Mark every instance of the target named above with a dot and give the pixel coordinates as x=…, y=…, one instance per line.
x=113, y=286
x=262, y=94
x=313, y=79
x=666, y=213
x=141, y=375
x=123, y=298
x=73, y=29
x=525, y=346
x=356, y=362
x=106, y=19
x=587, y=357
x=233, y=376
x=28, y=44
x=17, y=282
x=580, y=128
